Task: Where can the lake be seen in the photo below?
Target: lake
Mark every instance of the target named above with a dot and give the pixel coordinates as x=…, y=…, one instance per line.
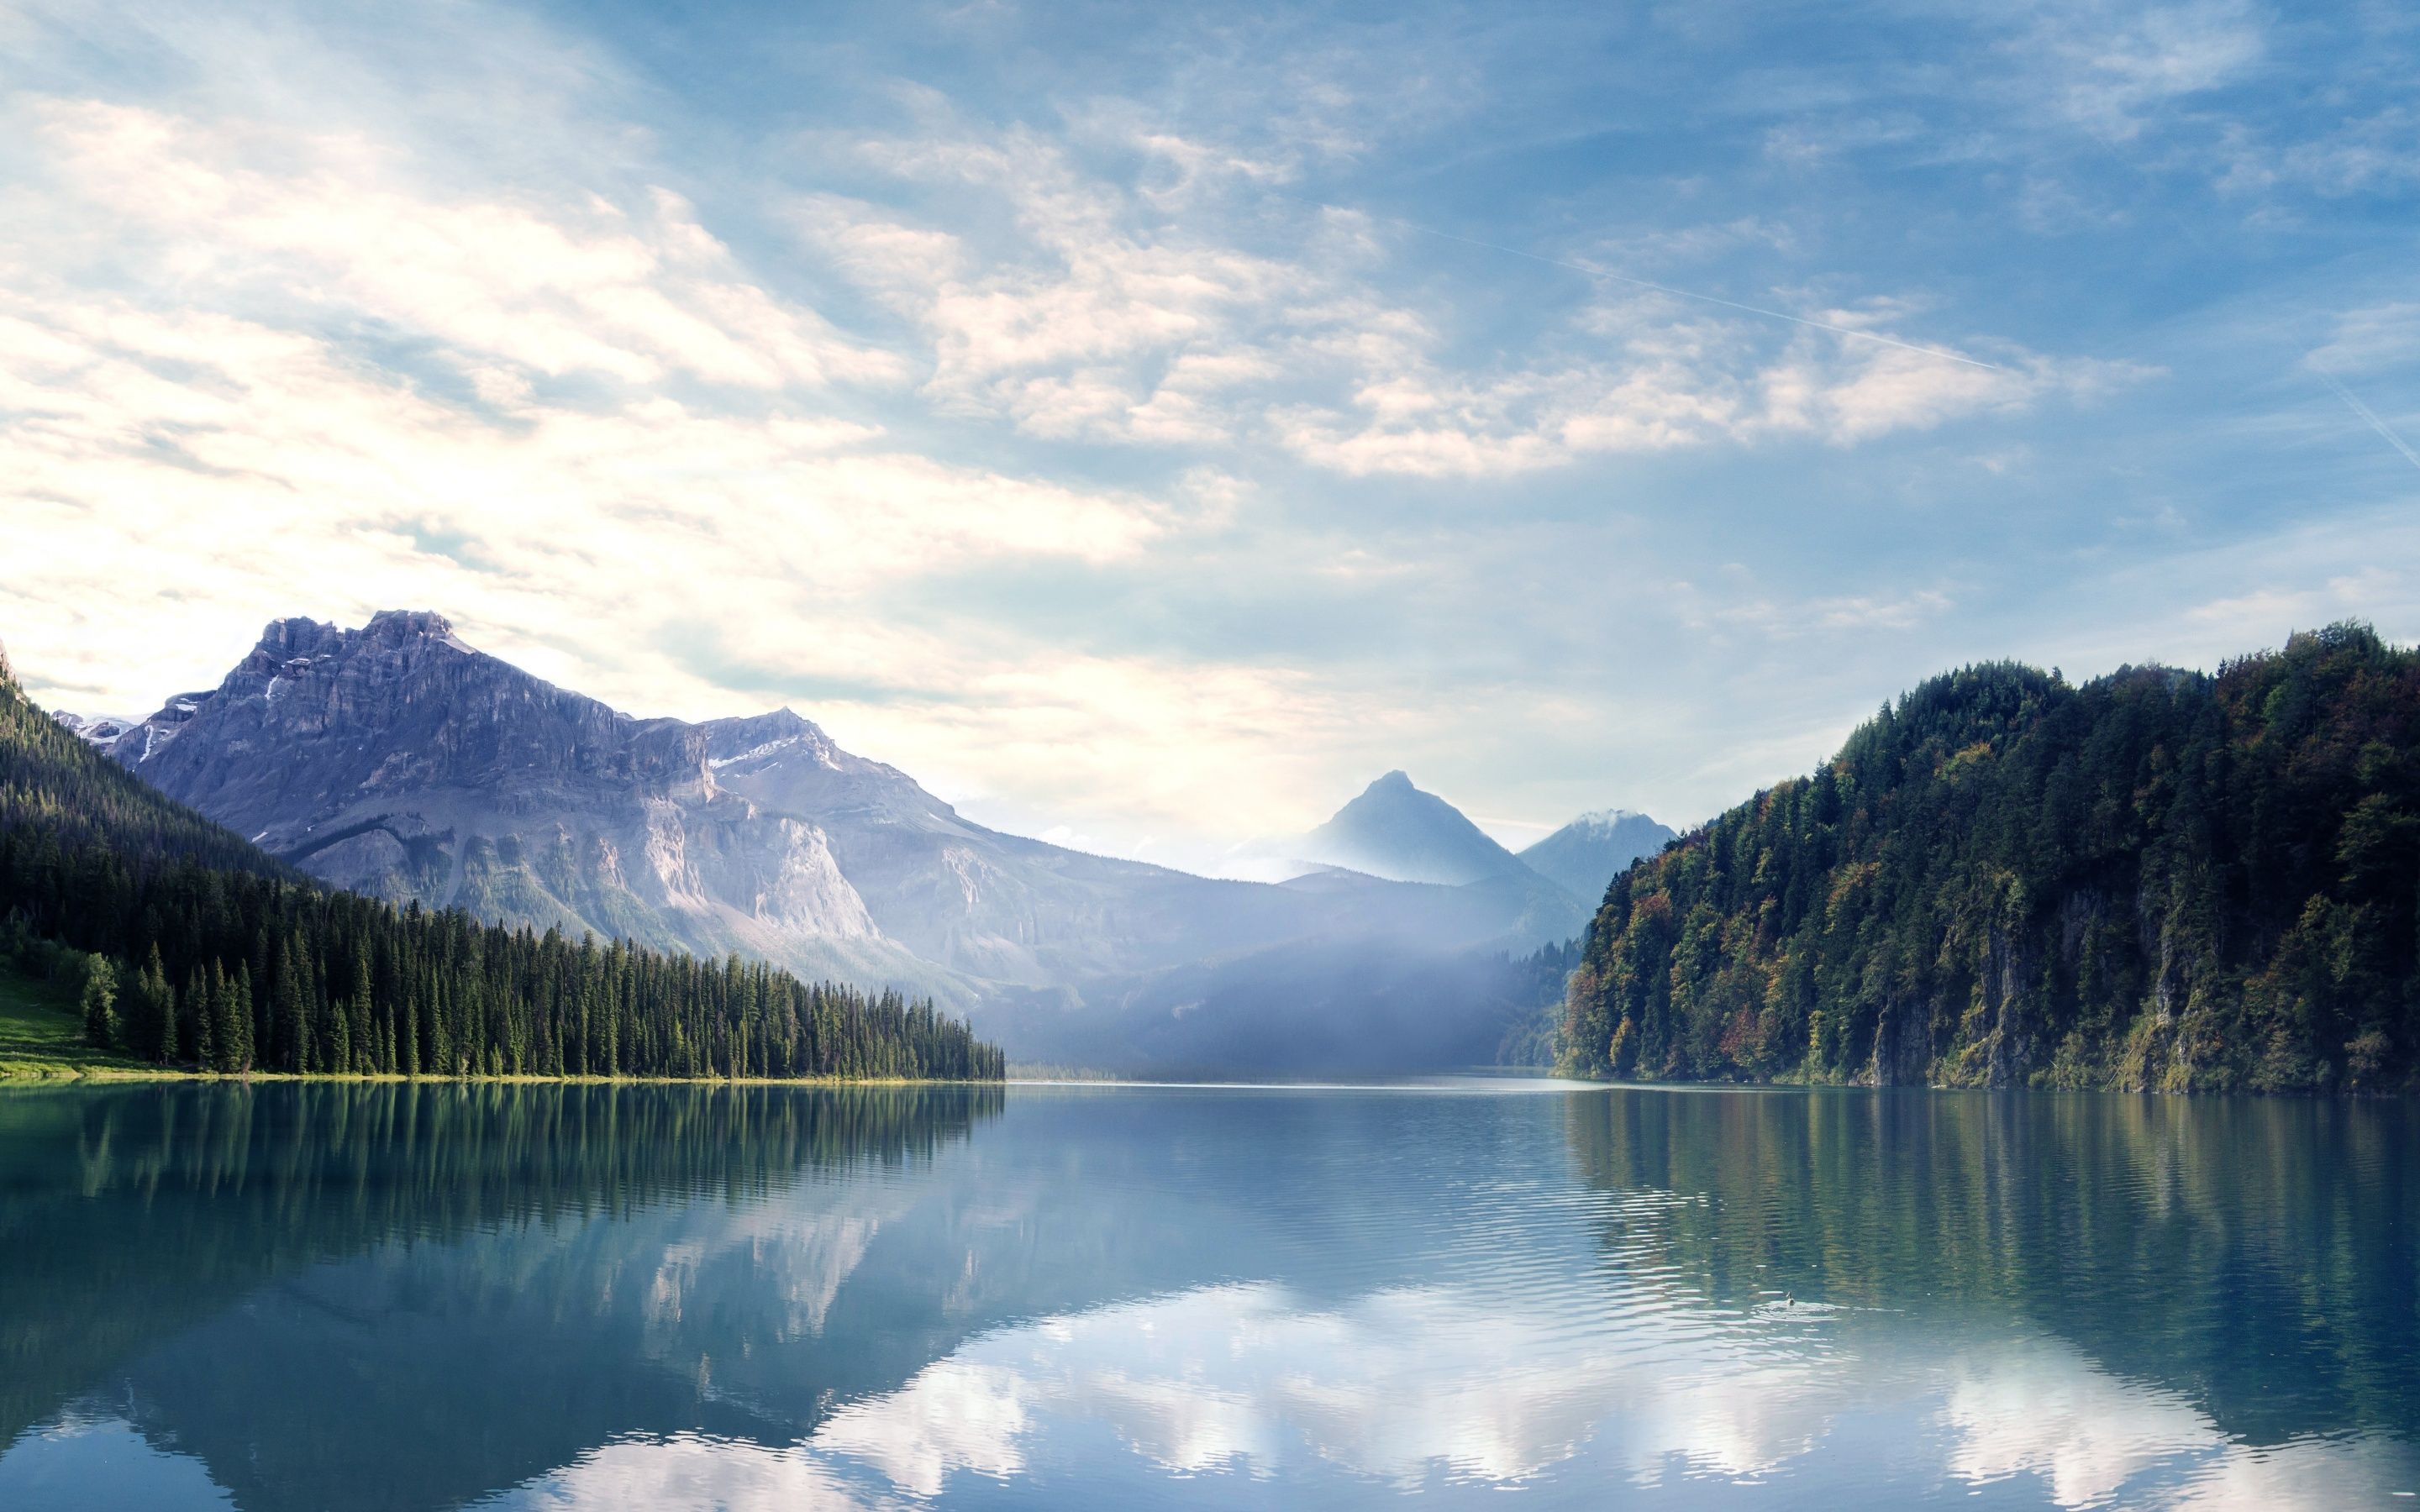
x=307, y=1295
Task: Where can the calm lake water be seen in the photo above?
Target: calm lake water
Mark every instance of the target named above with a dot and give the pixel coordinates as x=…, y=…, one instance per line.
x=526, y=1297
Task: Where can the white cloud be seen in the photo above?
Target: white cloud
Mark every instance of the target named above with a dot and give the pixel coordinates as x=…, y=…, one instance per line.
x=335, y=226
x=640, y=1475
x=2112, y=65
x=1109, y=320
x=1046, y=431
x=2374, y=338
x=1672, y=386
x=207, y=448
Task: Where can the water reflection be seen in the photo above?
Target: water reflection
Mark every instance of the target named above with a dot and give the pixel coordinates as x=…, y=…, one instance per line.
x=652, y=1297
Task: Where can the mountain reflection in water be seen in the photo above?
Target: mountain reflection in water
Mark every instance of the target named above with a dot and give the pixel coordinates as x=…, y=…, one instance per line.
x=538, y=1297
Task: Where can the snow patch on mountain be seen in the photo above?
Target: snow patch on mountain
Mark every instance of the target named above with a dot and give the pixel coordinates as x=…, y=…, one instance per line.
x=92, y=729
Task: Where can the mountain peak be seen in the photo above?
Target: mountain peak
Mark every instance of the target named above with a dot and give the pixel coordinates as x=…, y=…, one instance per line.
x=1395, y=830
x=409, y=621
x=1585, y=854
x=1605, y=818
x=388, y=629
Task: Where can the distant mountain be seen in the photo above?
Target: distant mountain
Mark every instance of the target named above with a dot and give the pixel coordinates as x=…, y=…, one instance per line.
x=2159, y=880
x=1395, y=833
x=92, y=729
x=1584, y=854
x=399, y=761
x=1394, y=830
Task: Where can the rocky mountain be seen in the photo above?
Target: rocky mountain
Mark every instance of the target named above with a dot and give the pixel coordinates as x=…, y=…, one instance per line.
x=398, y=761
x=92, y=729
x=1584, y=854
x=184, y=916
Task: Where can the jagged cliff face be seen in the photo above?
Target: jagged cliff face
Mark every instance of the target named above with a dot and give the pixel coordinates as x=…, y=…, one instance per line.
x=398, y=761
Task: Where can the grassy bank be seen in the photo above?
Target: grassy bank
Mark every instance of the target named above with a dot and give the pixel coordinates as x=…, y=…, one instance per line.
x=42, y=1036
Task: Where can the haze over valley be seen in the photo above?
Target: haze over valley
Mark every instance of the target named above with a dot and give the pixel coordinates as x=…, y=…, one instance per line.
x=399, y=762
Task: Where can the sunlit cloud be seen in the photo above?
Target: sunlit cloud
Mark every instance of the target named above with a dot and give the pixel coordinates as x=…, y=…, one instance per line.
x=1162, y=434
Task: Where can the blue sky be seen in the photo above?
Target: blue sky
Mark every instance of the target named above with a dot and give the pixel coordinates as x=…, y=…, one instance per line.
x=1148, y=423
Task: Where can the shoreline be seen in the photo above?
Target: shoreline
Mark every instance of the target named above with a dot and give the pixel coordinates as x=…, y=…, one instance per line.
x=55, y=1076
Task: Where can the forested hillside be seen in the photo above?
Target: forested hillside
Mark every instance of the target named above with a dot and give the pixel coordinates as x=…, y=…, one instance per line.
x=212, y=954
x=2160, y=880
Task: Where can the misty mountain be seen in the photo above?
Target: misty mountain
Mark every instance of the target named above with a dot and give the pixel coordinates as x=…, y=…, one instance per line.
x=1394, y=830
x=1398, y=833
x=398, y=761
x=1585, y=854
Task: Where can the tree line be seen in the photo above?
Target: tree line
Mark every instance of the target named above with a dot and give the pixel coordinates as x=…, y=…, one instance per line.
x=204, y=951
x=2157, y=880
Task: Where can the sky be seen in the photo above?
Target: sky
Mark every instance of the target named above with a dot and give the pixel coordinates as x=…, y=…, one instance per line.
x=1147, y=425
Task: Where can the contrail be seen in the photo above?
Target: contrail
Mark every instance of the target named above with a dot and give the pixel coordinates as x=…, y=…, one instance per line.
x=2369, y=417
x=1709, y=298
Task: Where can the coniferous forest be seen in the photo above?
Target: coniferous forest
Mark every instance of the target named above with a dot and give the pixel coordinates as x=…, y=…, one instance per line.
x=2159, y=880
x=203, y=951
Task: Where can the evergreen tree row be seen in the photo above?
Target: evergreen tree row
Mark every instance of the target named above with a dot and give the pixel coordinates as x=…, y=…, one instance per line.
x=2160, y=880
x=214, y=954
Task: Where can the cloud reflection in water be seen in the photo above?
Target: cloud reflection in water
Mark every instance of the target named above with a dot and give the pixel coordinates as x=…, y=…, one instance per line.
x=1435, y=1387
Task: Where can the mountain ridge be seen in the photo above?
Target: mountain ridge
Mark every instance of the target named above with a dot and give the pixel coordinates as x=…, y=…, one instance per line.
x=398, y=760
x=197, y=949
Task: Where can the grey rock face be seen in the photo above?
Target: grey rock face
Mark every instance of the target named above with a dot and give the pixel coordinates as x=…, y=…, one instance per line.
x=398, y=761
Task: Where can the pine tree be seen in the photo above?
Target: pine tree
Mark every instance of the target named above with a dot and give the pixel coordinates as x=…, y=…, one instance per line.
x=226, y=1039
x=240, y=1056
x=200, y=1015
x=291, y=1011
x=100, y=1002
x=153, y=1033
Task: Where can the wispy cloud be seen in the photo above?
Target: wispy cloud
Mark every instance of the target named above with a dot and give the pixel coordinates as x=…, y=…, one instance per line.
x=1073, y=418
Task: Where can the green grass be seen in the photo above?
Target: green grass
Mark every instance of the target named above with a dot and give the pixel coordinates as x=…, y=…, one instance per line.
x=42, y=1035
